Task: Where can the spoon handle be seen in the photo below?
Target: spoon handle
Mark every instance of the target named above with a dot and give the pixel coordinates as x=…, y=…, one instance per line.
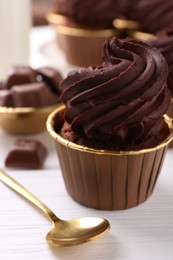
x=18, y=188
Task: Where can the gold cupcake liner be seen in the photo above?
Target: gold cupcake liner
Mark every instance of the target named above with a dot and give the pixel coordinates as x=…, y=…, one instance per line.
x=55, y=19
x=124, y=24
x=132, y=29
x=60, y=23
x=141, y=35
x=107, y=180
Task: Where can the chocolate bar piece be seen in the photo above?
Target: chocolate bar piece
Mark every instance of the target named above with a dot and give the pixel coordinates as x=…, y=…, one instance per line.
x=6, y=99
x=29, y=154
x=30, y=88
x=33, y=95
x=51, y=76
x=17, y=75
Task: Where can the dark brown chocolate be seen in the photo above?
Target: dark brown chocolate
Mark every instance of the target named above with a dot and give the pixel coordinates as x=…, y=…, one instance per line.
x=17, y=75
x=26, y=87
x=26, y=153
x=51, y=76
x=6, y=99
x=90, y=12
x=33, y=95
x=152, y=15
x=120, y=104
x=164, y=42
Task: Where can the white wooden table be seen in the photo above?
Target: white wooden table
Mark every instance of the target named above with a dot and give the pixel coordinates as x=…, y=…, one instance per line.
x=141, y=233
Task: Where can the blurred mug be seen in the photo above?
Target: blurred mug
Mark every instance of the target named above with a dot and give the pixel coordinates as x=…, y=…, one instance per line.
x=15, y=23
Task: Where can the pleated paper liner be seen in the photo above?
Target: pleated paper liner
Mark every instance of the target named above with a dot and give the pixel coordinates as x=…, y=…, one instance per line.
x=107, y=180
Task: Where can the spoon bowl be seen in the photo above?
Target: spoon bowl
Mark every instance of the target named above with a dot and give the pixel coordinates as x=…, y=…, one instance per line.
x=63, y=232
x=76, y=231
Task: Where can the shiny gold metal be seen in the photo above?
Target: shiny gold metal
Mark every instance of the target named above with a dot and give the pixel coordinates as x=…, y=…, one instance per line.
x=141, y=35
x=56, y=115
x=125, y=24
x=55, y=19
x=63, y=232
x=132, y=28
x=24, y=120
x=78, y=32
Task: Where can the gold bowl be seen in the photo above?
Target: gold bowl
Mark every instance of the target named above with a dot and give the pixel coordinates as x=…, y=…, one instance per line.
x=24, y=120
x=82, y=47
x=107, y=180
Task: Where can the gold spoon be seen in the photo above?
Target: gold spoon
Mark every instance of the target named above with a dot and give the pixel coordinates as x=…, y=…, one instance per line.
x=63, y=232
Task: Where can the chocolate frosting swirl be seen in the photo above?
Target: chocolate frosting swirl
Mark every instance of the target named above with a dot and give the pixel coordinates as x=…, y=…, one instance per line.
x=122, y=102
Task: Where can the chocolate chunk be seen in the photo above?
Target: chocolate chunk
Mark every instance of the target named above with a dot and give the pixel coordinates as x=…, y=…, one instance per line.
x=51, y=76
x=17, y=75
x=6, y=99
x=25, y=153
x=30, y=88
x=33, y=95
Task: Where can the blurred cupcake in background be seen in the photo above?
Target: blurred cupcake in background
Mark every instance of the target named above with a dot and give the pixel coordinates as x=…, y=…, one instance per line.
x=152, y=15
x=141, y=19
x=163, y=40
x=88, y=14
x=82, y=27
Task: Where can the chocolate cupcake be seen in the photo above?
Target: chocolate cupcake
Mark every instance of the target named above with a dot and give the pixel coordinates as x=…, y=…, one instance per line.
x=152, y=15
x=112, y=136
x=163, y=40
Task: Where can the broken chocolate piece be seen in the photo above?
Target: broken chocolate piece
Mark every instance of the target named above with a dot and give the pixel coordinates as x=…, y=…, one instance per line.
x=26, y=153
x=17, y=75
x=6, y=99
x=33, y=95
x=30, y=87
x=51, y=76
